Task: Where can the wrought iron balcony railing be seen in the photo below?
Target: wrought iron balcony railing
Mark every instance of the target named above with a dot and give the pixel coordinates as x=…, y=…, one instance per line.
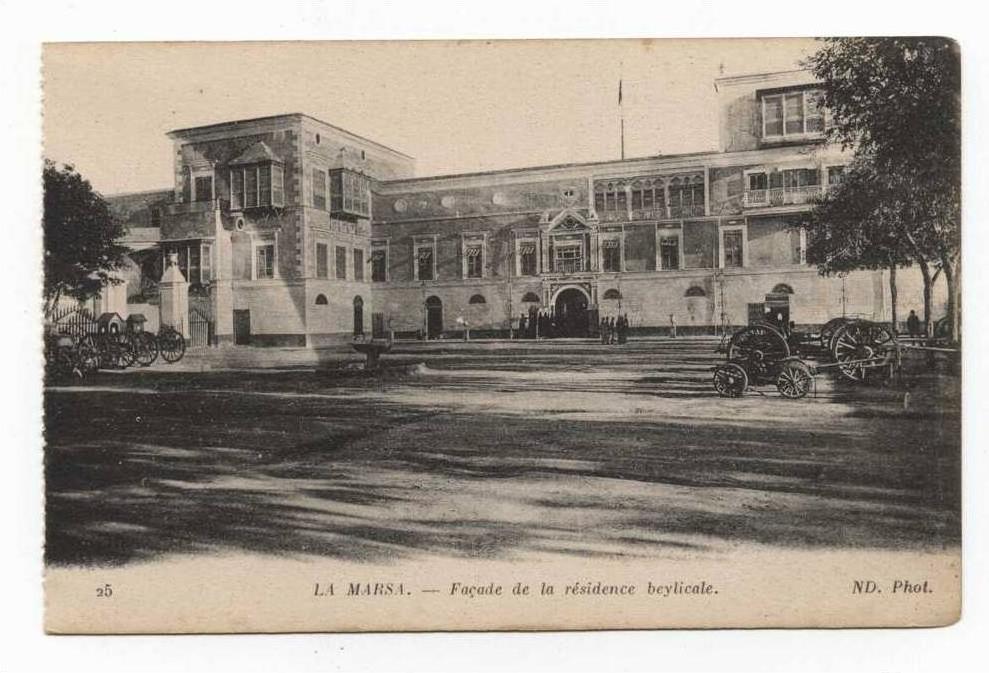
x=780, y=196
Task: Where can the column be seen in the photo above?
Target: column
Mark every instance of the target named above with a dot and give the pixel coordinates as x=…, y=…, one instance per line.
x=174, y=297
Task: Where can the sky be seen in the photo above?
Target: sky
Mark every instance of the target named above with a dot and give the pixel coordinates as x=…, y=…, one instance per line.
x=455, y=106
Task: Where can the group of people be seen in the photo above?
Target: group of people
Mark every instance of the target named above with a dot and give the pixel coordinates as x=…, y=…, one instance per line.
x=614, y=330
x=541, y=324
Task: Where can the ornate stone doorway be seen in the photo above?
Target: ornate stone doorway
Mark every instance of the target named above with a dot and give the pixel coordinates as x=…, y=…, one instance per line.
x=570, y=313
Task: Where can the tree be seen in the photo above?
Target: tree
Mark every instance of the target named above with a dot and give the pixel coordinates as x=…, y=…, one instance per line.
x=80, y=237
x=897, y=102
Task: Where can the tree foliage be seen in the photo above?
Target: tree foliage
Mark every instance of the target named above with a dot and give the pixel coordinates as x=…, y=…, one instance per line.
x=80, y=237
x=897, y=103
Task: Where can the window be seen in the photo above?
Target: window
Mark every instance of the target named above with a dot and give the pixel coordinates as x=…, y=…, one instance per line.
x=695, y=291
x=277, y=185
x=801, y=177
x=321, y=300
x=732, y=241
x=527, y=258
x=758, y=181
x=195, y=260
x=350, y=193
x=669, y=252
x=474, y=261
x=237, y=188
x=264, y=185
x=687, y=197
x=322, y=260
x=612, y=295
x=379, y=266
x=265, y=256
x=530, y=298
x=610, y=197
x=424, y=263
x=790, y=114
x=358, y=265
x=341, y=262
x=611, y=255
x=835, y=174
x=569, y=258
x=319, y=188
x=156, y=217
x=647, y=195
x=251, y=188
x=477, y=299
x=203, y=188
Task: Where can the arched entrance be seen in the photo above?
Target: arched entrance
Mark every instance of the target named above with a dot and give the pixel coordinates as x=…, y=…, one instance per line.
x=358, y=316
x=434, y=317
x=570, y=313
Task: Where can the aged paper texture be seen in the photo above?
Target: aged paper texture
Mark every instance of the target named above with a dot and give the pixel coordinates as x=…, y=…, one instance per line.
x=522, y=335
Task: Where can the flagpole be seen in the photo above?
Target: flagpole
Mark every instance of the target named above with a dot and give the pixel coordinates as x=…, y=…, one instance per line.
x=621, y=111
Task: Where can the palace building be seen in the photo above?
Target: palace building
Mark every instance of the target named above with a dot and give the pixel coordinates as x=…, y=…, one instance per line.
x=291, y=231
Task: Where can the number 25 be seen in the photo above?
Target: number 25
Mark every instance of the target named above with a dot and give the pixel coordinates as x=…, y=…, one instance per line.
x=104, y=591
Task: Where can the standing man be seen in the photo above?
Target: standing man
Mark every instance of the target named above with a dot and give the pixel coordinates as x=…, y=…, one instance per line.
x=673, y=326
x=913, y=324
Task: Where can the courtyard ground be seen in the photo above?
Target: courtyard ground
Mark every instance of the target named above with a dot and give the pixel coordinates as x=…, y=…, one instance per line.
x=494, y=451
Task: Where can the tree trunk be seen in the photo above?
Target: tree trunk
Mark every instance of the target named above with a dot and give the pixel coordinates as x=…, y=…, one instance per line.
x=952, y=277
x=892, y=296
x=925, y=271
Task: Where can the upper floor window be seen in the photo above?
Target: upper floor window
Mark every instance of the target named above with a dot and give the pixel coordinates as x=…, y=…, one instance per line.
x=265, y=261
x=203, y=188
x=194, y=260
x=257, y=185
x=669, y=252
x=611, y=255
x=358, y=264
x=610, y=197
x=425, y=262
x=156, y=217
x=474, y=261
x=686, y=197
x=350, y=193
x=527, y=258
x=648, y=194
x=733, y=248
x=379, y=265
x=319, y=188
x=835, y=174
x=322, y=260
x=792, y=114
x=341, y=262
x=568, y=257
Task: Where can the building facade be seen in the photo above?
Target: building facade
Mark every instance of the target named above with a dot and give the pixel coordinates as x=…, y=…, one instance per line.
x=294, y=232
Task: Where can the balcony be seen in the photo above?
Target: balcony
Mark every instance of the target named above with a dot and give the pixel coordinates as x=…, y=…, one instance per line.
x=654, y=213
x=780, y=196
x=678, y=212
x=569, y=266
x=193, y=219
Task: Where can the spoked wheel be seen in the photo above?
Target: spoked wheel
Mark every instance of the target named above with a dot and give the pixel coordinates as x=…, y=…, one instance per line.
x=829, y=328
x=794, y=380
x=171, y=345
x=730, y=379
x=126, y=349
x=88, y=355
x=145, y=349
x=760, y=346
x=865, y=346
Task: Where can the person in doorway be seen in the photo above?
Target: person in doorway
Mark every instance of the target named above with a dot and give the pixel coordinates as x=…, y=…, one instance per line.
x=604, y=331
x=622, y=328
x=913, y=324
x=611, y=330
x=673, y=326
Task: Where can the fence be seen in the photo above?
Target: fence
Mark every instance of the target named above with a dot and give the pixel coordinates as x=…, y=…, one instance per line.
x=73, y=321
x=200, y=329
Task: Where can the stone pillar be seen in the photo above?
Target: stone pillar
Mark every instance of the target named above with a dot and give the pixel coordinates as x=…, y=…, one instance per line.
x=174, y=297
x=221, y=288
x=113, y=297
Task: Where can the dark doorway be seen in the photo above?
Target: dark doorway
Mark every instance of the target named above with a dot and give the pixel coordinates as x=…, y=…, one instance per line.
x=358, y=316
x=570, y=313
x=434, y=317
x=242, y=327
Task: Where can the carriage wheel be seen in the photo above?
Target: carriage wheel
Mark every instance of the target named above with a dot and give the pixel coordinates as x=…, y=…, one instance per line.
x=126, y=350
x=829, y=328
x=87, y=355
x=861, y=340
x=730, y=379
x=794, y=380
x=760, y=346
x=146, y=349
x=171, y=345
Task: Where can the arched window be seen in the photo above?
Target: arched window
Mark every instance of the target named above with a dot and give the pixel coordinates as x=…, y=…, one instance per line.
x=530, y=298
x=695, y=291
x=321, y=300
x=782, y=288
x=477, y=299
x=358, y=316
x=433, y=301
x=612, y=294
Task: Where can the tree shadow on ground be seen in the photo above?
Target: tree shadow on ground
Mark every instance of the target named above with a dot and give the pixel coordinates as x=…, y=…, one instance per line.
x=193, y=465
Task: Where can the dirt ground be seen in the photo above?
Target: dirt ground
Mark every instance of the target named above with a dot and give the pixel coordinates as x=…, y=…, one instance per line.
x=494, y=451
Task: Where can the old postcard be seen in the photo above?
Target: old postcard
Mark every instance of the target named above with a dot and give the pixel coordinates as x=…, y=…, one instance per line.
x=381, y=336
